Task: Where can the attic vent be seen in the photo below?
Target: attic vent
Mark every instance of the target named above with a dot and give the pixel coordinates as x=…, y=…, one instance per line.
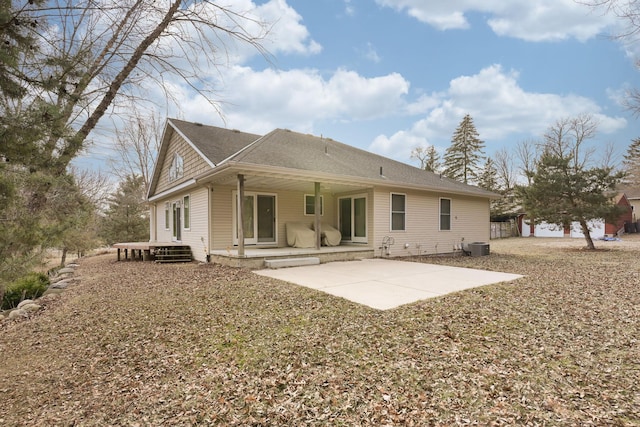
x=198, y=124
x=235, y=130
x=381, y=171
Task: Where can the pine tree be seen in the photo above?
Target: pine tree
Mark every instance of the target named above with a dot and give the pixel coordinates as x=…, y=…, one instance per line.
x=127, y=216
x=561, y=193
x=631, y=164
x=564, y=187
x=462, y=158
x=432, y=163
x=428, y=157
x=488, y=178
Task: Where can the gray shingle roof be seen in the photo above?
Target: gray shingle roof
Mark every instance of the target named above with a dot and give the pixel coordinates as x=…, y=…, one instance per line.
x=215, y=143
x=292, y=151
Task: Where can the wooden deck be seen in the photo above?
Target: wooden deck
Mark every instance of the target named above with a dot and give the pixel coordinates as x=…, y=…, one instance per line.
x=145, y=250
x=253, y=258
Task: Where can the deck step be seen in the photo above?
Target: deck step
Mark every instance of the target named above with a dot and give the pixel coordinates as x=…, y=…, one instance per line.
x=173, y=254
x=290, y=262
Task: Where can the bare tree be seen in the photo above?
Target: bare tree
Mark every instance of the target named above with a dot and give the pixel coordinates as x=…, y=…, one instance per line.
x=94, y=54
x=428, y=157
x=566, y=139
x=136, y=145
x=628, y=12
x=527, y=154
x=505, y=167
x=94, y=185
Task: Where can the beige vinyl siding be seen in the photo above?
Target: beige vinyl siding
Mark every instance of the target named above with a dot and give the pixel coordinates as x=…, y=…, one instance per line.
x=422, y=234
x=163, y=234
x=289, y=208
x=221, y=236
x=198, y=200
x=199, y=222
x=193, y=165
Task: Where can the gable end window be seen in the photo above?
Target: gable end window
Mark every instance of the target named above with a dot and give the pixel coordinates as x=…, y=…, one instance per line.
x=445, y=214
x=310, y=204
x=398, y=211
x=176, y=170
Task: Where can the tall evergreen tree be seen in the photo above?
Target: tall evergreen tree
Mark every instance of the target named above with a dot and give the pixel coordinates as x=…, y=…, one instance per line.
x=462, y=159
x=432, y=163
x=127, y=218
x=488, y=178
x=631, y=164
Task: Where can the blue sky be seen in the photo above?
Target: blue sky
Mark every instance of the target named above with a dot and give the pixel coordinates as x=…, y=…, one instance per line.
x=390, y=75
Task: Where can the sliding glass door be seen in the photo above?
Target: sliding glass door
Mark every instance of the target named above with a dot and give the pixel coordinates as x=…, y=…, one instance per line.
x=353, y=218
x=259, y=218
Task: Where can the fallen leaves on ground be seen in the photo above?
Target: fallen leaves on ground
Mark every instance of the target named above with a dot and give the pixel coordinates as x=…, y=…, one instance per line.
x=139, y=343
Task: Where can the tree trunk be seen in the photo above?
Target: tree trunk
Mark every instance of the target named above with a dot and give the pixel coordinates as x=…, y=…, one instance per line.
x=587, y=234
x=75, y=143
x=64, y=257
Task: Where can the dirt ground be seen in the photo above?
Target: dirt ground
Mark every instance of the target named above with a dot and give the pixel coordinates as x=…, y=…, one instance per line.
x=136, y=343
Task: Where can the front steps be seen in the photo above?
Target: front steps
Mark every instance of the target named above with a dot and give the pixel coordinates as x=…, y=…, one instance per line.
x=173, y=254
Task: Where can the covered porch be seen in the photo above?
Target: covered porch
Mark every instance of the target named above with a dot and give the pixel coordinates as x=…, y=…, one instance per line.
x=255, y=258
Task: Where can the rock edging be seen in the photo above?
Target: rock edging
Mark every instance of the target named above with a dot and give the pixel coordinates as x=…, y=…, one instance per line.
x=60, y=282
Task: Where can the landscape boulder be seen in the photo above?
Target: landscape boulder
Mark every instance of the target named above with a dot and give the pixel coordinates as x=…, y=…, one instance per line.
x=18, y=313
x=25, y=302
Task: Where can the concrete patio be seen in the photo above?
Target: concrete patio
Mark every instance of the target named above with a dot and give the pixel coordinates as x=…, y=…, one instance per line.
x=384, y=284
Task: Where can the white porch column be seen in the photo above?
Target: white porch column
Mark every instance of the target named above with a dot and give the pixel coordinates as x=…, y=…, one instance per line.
x=240, y=218
x=317, y=216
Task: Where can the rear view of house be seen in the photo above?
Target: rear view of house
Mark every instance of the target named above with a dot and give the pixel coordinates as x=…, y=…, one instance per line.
x=232, y=195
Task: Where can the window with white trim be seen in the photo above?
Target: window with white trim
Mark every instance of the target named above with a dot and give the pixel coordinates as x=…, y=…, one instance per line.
x=176, y=170
x=167, y=219
x=445, y=214
x=398, y=211
x=310, y=204
x=186, y=209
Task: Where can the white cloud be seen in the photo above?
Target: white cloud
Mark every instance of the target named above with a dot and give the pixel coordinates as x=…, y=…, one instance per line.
x=259, y=101
x=287, y=34
x=540, y=20
x=499, y=107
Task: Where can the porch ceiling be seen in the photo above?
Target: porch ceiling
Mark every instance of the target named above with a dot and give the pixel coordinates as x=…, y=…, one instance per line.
x=274, y=181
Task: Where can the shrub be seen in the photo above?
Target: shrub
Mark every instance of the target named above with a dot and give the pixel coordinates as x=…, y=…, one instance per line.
x=30, y=286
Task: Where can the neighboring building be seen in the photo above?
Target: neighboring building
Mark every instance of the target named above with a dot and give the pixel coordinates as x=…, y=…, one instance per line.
x=381, y=206
x=633, y=195
x=598, y=228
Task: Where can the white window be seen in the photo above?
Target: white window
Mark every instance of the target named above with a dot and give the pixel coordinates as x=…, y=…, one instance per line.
x=176, y=169
x=398, y=211
x=445, y=214
x=167, y=222
x=186, y=209
x=310, y=204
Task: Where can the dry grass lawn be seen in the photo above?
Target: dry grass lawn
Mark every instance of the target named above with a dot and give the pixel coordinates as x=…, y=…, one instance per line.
x=144, y=344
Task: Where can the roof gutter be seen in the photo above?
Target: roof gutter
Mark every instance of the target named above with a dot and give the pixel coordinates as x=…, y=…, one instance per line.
x=253, y=169
x=171, y=190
